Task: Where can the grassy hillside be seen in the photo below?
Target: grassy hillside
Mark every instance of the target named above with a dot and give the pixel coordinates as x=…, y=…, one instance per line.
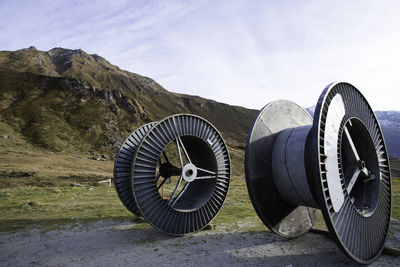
x=68, y=101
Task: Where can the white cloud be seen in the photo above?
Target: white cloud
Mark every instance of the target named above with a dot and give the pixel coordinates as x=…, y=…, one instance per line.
x=238, y=52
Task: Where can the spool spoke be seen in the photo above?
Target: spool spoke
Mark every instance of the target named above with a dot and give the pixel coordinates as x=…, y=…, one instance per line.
x=184, y=149
x=207, y=171
x=365, y=172
x=353, y=180
x=165, y=156
x=205, y=177
x=157, y=177
x=179, y=196
x=179, y=152
x=161, y=184
x=353, y=148
x=174, y=192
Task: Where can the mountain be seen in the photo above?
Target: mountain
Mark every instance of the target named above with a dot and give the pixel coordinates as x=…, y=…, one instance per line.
x=69, y=101
x=390, y=125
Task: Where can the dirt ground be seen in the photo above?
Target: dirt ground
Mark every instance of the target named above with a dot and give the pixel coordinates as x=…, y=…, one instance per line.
x=108, y=243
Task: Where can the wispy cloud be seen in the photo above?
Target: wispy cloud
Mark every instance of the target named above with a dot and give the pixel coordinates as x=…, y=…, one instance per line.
x=239, y=52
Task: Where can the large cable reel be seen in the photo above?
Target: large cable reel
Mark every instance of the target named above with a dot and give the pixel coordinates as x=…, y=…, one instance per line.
x=175, y=173
x=337, y=163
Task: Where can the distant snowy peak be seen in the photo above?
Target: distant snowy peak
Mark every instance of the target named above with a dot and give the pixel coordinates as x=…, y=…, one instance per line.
x=310, y=110
x=390, y=118
x=390, y=125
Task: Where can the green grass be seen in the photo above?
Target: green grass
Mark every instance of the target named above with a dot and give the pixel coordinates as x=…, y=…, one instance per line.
x=396, y=198
x=238, y=212
x=25, y=207
x=35, y=192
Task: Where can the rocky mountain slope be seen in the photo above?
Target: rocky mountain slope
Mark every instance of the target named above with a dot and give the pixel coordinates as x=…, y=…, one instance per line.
x=69, y=101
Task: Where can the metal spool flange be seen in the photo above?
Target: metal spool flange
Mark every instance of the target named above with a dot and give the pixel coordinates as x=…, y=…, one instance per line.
x=123, y=168
x=345, y=169
x=204, y=170
x=350, y=176
x=279, y=215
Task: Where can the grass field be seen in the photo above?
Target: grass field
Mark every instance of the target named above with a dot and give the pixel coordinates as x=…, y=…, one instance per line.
x=36, y=192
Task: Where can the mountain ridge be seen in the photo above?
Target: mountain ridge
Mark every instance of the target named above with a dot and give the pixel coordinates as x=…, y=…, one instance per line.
x=68, y=100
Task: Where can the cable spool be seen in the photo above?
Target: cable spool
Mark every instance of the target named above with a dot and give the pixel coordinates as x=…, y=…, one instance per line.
x=177, y=174
x=337, y=163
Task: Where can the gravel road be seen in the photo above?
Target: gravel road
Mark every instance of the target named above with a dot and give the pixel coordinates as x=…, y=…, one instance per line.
x=107, y=243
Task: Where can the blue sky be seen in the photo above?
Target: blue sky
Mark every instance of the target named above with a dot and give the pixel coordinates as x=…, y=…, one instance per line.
x=245, y=53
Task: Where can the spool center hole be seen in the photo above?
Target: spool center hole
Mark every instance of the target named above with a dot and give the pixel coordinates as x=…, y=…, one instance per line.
x=189, y=172
x=361, y=164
